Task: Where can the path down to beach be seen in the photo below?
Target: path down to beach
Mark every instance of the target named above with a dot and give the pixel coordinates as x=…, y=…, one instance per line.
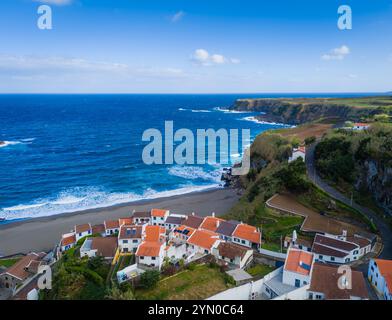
x=385, y=231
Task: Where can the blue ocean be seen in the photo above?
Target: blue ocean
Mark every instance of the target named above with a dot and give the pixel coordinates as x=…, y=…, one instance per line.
x=64, y=153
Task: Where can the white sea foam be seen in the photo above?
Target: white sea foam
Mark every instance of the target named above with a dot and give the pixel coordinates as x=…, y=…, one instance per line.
x=195, y=172
x=225, y=110
x=12, y=143
x=90, y=198
x=254, y=119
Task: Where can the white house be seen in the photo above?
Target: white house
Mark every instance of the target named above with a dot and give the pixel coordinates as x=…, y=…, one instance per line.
x=380, y=276
x=299, y=152
x=182, y=232
x=360, y=126
x=83, y=230
x=129, y=238
x=141, y=217
x=150, y=254
x=202, y=241
x=98, y=246
x=233, y=254
x=67, y=242
x=175, y=250
x=297, y=268
x=173, y=221
x=332, y=250
x=246, y=235
x=327, y=283
x=112, y=227
x=158, y=217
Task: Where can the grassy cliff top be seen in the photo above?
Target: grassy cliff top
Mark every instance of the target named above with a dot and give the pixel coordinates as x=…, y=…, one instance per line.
x=360, y=102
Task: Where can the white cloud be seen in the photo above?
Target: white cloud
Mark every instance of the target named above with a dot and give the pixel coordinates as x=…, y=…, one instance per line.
x=337, y=53
x=203, y=57
x=55, y=2
x=177, y=16
x=25, y=66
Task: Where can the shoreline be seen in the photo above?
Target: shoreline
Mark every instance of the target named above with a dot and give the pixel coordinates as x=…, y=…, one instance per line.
x=43, y=233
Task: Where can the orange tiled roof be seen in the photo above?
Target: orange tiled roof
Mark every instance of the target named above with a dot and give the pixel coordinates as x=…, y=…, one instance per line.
x=154, y=233
x=158, y=213
x=360, y=124
x=182, y=228
x=68, y=240
x=18, y=270
x=149, y=249
x=210, y=223
x=203, y=238
x=82, y=228
x=302, y=149
x=247, y=232
x=385, y=268
x=112, y=224
x=296, y=261
x=126, y=221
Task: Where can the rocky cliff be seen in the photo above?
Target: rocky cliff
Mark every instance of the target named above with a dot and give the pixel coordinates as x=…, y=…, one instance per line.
x=297, y=111
x=376, y=177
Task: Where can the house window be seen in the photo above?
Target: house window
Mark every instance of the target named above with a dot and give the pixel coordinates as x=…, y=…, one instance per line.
x=125, y=241
x=206, y=251
x=320, y=257
x=310, y=296
x=125, y=249
x=318, y=297
x=142, y=258
x=134, y=241
x=153, y=258
x=332, y=258
x=300, y=246
x=243, y=241
x=297, y=283
x=80, y=234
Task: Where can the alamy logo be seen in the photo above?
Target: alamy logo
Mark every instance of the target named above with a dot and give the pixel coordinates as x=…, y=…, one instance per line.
x=345, y=20
x=201, y=149
x=45, y=19
x=44, y=278
x=345, y=280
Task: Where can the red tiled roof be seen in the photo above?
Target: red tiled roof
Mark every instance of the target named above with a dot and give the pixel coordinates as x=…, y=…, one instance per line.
x=106, y=247
x=122, y=221
x=149, y=249
x=203, y=238
x=211, y=223
x=299, y=261
x=154, y=233
x=385, y=268
x=98, y=228
x=112, y=224
x=325, y=279
x=247, y=232
x=158, y=213
x=68, y=240
x=82, y=228
x=18, y=269
x=130, y=232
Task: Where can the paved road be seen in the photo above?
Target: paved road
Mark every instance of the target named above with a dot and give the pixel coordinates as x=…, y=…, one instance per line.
x=385, y=231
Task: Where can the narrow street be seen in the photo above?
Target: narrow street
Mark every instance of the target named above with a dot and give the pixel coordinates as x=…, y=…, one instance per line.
x=385, y=231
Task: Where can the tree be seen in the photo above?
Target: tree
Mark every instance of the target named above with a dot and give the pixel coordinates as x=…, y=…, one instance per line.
x=310, y=140
x=149, y=279
x=116, y=294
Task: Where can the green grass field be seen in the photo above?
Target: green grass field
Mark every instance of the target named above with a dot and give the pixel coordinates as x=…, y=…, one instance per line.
x=8, y=262
x=197, y=284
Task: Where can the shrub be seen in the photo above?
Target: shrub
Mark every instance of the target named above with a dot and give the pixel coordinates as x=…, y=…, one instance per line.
x=149, y=279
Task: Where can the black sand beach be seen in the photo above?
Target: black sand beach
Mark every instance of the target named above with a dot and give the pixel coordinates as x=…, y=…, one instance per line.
x=42, y=234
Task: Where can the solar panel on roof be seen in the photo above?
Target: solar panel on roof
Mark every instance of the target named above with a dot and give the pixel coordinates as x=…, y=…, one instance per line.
x=305, y=266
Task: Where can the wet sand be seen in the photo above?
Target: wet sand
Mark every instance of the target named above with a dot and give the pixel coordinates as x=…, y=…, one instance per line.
x=42, y=234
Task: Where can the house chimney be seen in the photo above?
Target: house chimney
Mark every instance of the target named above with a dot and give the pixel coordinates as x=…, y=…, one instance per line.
x=193, y=213
x=217, y=223
x=213, y=214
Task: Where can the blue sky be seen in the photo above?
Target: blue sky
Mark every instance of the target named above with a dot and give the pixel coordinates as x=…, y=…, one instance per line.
x=155, y=46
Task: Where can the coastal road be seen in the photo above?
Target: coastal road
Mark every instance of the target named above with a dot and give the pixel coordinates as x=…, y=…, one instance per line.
x=385, y=231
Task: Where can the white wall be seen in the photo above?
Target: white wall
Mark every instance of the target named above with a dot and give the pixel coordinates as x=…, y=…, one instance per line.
x=289, y=278
x=298, y=294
